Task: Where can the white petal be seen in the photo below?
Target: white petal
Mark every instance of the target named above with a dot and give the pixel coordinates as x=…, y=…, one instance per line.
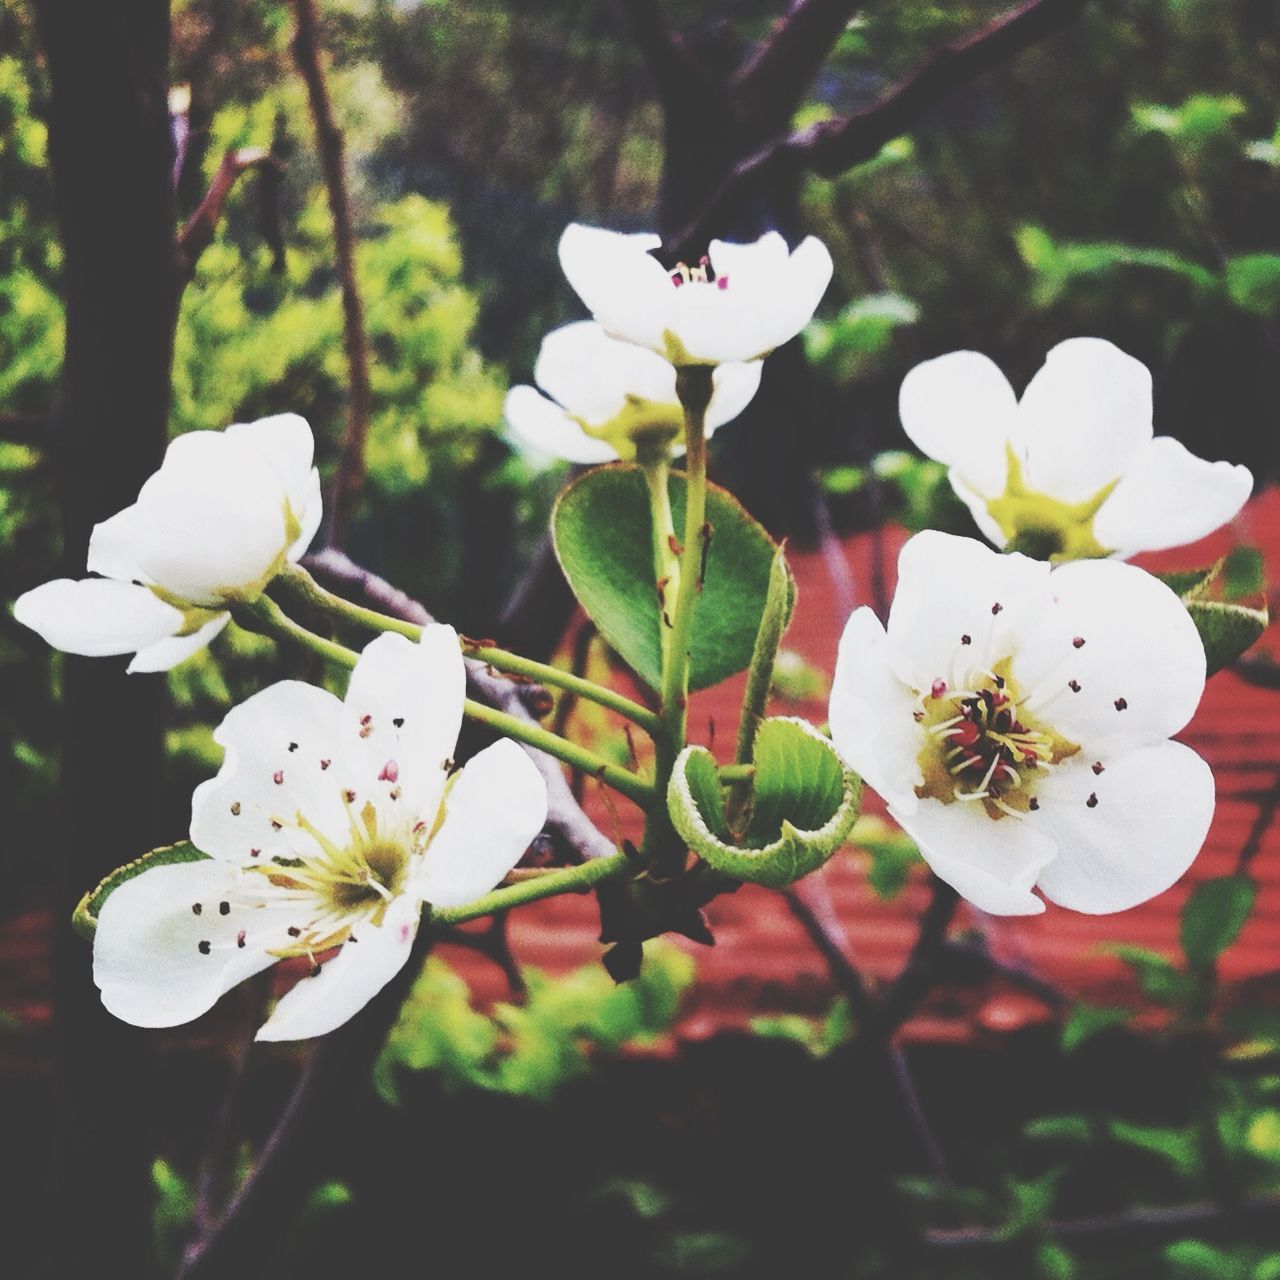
x=950, y=588
x=960, y=410
x=621, y=283
x=166, y=654
x=991, y=864
x=401, y=719
x=494, y=809
x=345, y=984
x=212, y=520
x=309, y=517
x=96, y=617
x=290, y=731
x=285, y=443
x=1153, y=811
x=113, y=547
x=872, y=714
x=718, y=326
x=1140, y=670
x=767, y=255
x=1169, y=497
x=732, y=388
x=591, y=374
x=978, y=509
x=1083, y=417
x=544, y=429
x=807, y=275
x=147, y=959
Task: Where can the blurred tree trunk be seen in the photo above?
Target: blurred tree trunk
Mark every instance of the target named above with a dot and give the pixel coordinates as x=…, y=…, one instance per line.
x=111, y=155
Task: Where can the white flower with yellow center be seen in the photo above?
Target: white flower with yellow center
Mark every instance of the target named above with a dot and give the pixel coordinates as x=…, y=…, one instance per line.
x=1072, y=469
x=328, y=826
x=225, y=512
x=607, y=399
x=1016, y=720
x=737, y=303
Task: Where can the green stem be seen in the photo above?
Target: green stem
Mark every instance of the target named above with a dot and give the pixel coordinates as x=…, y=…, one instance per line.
x=265, y=616
x=305, y=586
x=571, y=880
x=666, y=563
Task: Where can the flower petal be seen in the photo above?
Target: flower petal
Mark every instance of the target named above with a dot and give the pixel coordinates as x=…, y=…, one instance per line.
x=958, y=606
x=872, y=714
x=492, y=812
x=113, y=547
x=285, y=443
x=543, y=428
x=167, y=653
x=978, y=509
x=148, y=961
x=1152, y=813
x=96, y=617
x=1083, y=417
x=732, y=388
x=959, y=409
x=991, y=864
x=1169, y=497
x=345, y=984
x=309, y=517
x=621, y=283
x=1138, y=669
x=401, y=720
x=282, y=761
x=591, y=374
x=805, y=277
x=211, y=521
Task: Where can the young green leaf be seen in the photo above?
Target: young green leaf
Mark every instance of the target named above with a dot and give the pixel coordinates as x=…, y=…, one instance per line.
x=1227, y=630
x=85, y=917
x=1213, y=916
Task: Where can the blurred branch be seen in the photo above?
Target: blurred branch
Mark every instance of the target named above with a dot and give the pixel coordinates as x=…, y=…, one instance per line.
x=1266, y=816
x=832, y=146
x=567, y=824
x=198, y=234
x=920, y=972
x=349, y=480
x=674, y=68
x=492, y=943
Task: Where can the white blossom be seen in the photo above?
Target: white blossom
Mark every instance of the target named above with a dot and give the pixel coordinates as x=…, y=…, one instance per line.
x=1071, y=468
x=606, y=399
x=738, y=303
x=328, y=826
x=1017, y=721
x=225, y=512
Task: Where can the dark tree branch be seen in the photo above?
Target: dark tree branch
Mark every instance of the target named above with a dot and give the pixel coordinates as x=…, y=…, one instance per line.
x=567, y=824
x=198, y=234
x=773, y=82
x=349, y=480
x=832, y=146
x=674, y=68
x=920, y=972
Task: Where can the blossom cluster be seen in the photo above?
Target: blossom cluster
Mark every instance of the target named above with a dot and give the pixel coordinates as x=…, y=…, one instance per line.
x=1015, y=713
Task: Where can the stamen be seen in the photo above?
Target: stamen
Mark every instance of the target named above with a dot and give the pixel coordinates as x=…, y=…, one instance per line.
x=966, y=639
x=1098, y=766
x=1078, y=642
x=1121, y=704
x=938, y=688
x=399, y=724
x=204, y=947
x=1073, y=685
x=196, y=908
x=235, y=809
x=278, y=777
x=224, y=908
x=390, y=772
x=1092, y=801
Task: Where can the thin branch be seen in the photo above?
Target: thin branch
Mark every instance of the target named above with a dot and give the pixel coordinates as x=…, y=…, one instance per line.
x=920, y=971
x=198, y=234
x=774, y=80
x=567, y=824
x=349, y=480
x=676, y=72
x=832, y=146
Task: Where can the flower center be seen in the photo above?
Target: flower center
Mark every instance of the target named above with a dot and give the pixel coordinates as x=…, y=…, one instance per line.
x=703, y=273
x=981, y=747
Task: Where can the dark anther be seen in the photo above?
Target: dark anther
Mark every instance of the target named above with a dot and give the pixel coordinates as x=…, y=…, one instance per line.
x=235, y=809
x=278, y=777
x=1073, y=685
x=966, y=639
x=398, y=722
x=276, y=824
x=1078, y=642
x=254, y=853
x=1033, y=804
x=294, y=931
x=224, y=908
x=204, y=948
x=1097, y=766
x=293, y=746
x=996, y=608
x=240, y=939
x=196, y=908
x=1121, y=704
x=1092, y=801
x=315, y=971
x=324, y=764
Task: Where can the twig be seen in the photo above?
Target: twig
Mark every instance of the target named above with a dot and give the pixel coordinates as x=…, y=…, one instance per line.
x=832, y=146
x=493, y=943
x=349, y=480
x=198, y=234
x=918, y=973
x=673, y=66
x=567, y=824
x=1267, y=809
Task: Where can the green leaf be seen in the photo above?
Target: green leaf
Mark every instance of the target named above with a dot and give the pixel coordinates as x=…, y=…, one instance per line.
x=1086, y=1021
x=1227, y=630
x=1190, y=584
x=1253, y=282
x=602, y=529
x=1242, y=573
x=803, y=805
x=1068, y=1128
x=893, y=854
x=1159, y=978
x=1213, y=916
x=85, y=918
x=1179, y=1148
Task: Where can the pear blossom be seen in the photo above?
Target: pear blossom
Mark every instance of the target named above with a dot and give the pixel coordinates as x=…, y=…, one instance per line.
x=607, y=399
x=224, y=513
x=737, y=303
x=1017, y=718
x=329, y=825
x=1072, y=469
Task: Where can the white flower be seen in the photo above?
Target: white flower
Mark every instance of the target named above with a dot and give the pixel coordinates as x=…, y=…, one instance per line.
x=1072, y=469
x=609, y=397
x=225, y=512
x=329, y=824
x=1016, y=719
x=738, y=303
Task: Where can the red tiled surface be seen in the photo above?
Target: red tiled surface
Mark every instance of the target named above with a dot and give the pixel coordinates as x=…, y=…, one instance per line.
x=762, y=962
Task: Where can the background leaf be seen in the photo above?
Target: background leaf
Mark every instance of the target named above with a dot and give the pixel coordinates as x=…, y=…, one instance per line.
x=1213, y=916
